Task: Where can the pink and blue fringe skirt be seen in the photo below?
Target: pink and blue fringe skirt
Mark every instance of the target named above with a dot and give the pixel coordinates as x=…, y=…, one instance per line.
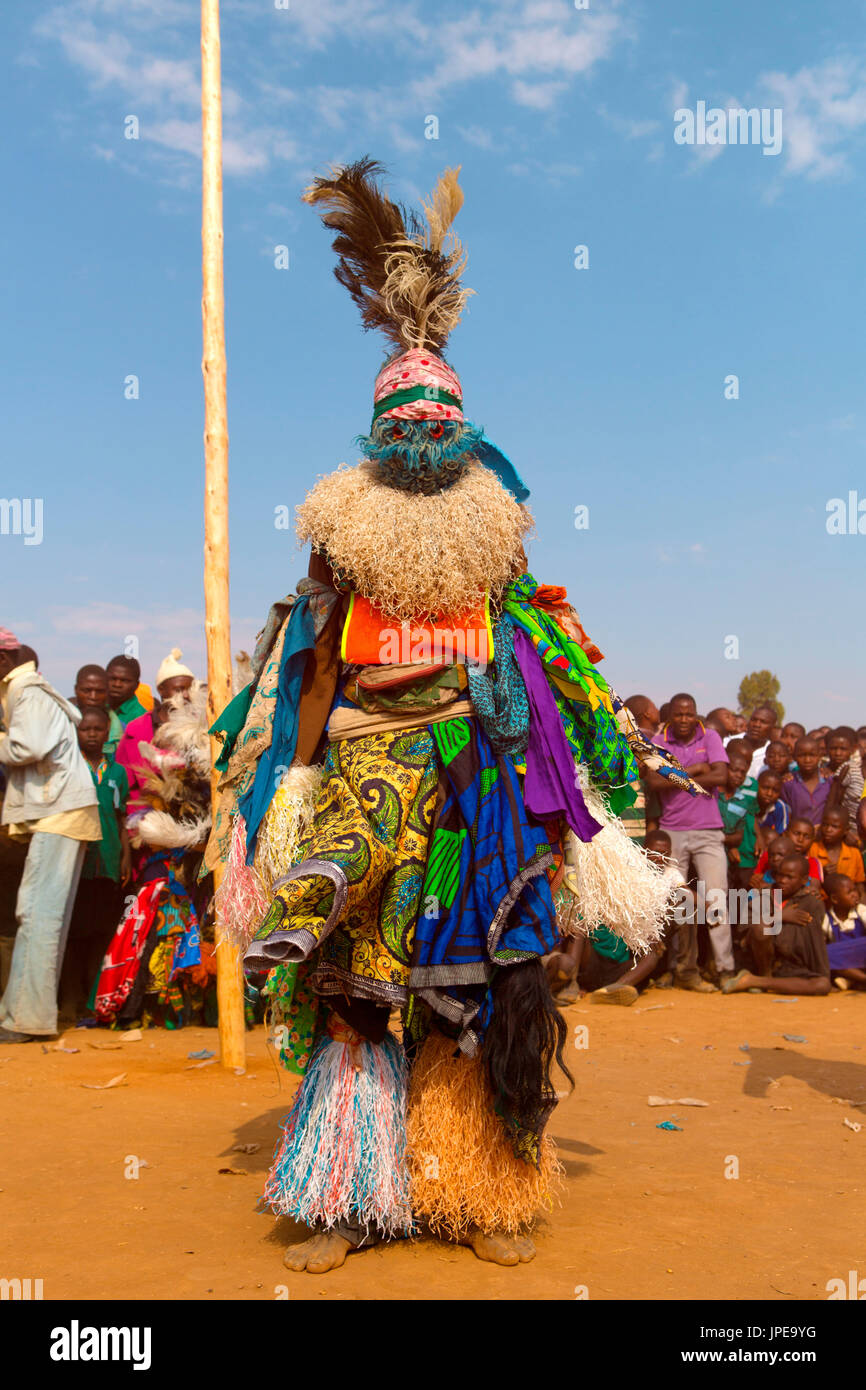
x=342, y=1155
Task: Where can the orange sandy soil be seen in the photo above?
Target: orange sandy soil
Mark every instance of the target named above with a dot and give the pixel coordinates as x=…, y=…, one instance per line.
x=645, y=1213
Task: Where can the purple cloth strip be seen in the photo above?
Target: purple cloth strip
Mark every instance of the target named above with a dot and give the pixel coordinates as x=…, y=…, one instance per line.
x=551, y=788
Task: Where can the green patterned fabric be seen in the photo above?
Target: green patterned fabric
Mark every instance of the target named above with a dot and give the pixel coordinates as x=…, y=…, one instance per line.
x=588, y=718
x=596, y=741
x=563, y=658
x=295, y=1009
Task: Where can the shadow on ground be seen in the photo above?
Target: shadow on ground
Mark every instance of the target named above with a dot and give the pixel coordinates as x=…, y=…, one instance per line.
x=846, y=1080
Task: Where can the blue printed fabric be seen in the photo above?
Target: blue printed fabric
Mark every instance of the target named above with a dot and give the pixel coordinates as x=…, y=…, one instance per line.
x=486, y=900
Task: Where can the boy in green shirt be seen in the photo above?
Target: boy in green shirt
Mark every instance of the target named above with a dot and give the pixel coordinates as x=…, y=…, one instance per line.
x=106, y=869
x=91, y=691
x=739, y=822
x=124, y=674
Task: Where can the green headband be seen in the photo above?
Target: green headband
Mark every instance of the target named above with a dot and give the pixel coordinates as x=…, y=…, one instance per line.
x=415, y=393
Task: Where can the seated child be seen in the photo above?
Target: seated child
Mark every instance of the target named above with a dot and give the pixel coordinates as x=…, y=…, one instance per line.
x=772, y=812
x=768, y=864
x=802, y=832
x=840, y=746
x=798, y=837
x=845, y=931
x=834, y=855
x=790, y=957
x=601, y=964
x=846, y=765
x=778, y=759
x=820, y=738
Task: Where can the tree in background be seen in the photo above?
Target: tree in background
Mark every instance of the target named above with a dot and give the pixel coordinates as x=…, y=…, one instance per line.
x=760, y=688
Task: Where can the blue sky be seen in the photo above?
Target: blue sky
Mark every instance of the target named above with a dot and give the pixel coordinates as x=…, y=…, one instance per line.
x=606, y=386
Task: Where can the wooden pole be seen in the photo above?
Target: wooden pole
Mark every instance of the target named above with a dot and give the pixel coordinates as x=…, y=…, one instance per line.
x=216, y=498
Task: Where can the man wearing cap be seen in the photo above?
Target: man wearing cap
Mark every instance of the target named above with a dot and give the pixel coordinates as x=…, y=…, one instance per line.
x=51, y=800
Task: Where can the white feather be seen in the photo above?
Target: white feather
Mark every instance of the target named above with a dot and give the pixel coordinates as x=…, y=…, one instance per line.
x=286, y=822
x=614, y=882
x=159, y=830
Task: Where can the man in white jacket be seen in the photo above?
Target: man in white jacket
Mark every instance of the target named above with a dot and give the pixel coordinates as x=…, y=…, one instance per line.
x=50, y=798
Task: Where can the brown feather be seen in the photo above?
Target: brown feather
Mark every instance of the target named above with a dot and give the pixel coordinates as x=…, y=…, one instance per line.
x=393, y=265
x=366, y=223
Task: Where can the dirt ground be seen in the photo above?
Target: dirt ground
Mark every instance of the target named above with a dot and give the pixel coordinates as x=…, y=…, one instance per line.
x=646, y=1212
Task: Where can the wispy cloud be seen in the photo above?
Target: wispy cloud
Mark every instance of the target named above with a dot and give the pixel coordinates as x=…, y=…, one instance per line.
x=824, y=114
x=535, y=42
x=99, y=630
x=843, y=423
x=139, y=60
x=540, y=95
x=318, y=22
x=630, y=128
x=146, y=51
x=115, y=621
x=477, y=135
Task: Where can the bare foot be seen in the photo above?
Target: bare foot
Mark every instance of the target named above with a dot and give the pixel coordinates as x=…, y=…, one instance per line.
x=568, y=995
x=743, y=979
x=500, y=1249
x=525, y=1248
x=614, y=994
x=323, y=1251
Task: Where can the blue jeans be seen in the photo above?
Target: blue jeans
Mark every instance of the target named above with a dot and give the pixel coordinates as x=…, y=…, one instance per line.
x=45, y=900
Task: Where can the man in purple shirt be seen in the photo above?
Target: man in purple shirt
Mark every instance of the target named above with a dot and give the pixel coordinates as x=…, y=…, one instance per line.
x=694, y=823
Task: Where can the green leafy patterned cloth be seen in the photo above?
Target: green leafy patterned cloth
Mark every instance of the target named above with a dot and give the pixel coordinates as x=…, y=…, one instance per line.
x=583, y=697
x=295, y=1008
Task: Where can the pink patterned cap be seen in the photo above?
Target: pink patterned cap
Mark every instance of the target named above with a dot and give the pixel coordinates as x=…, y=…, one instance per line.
x=418, y=385
x=8, y=641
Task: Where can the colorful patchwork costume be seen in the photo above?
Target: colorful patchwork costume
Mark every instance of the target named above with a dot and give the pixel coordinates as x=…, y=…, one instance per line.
x=420, y=789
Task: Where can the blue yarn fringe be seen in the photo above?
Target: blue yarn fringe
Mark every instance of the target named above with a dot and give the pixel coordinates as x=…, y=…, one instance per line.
x=342, y=1155
x=409, y=456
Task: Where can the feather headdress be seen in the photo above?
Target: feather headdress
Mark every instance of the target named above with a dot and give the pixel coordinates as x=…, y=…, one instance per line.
x=403, y=273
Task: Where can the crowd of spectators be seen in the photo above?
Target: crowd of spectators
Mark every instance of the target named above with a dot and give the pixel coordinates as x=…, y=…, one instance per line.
x=769, y=863
x=74, y=779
